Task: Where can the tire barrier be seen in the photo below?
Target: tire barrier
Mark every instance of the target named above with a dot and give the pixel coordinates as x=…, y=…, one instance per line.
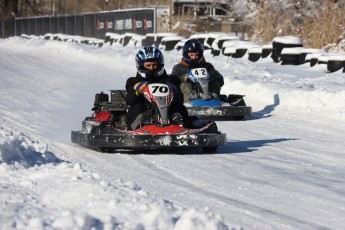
x=290, y=53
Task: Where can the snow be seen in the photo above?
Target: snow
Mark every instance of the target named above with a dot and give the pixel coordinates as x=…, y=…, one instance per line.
x=172, y=38
x=255, y=50
x=325, y=57
x=315, y=55
x=267, y=46
x=288, y=40
x=292, y=50
x=282, y=168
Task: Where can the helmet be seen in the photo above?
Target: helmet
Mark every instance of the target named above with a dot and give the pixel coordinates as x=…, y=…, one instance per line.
x=192, y=45
x=149, y=54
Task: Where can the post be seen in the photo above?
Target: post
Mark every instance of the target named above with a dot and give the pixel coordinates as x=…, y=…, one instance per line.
x=155, y=20
x=53, y=7
x=106, y=5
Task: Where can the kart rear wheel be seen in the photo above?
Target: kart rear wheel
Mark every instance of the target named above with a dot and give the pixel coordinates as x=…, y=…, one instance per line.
x=210, y=149
x=238, y=118
x=106, y=150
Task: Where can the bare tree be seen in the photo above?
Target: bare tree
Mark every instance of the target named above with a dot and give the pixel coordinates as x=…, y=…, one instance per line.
x=9, y=9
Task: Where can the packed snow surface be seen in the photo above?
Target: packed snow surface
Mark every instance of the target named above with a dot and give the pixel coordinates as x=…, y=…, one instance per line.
x=283, y=167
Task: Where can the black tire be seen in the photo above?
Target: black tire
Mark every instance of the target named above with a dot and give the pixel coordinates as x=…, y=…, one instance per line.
x=209, y=149
x=333, y=66
x=238, y=118
x=241, y=103
x=106, y=150
x=233, y=98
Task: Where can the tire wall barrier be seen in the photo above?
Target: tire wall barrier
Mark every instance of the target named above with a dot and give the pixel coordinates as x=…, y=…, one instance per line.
x=139, y=21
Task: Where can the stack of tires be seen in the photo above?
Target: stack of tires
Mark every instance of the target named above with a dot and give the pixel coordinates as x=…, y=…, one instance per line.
x=279, y=43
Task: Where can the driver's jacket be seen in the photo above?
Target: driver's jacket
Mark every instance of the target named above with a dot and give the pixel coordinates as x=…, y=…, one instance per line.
x=132, y=98
x=176, y=104
x=182, y=68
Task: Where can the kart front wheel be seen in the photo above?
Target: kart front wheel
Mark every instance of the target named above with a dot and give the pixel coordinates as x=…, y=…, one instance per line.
x=210, y=149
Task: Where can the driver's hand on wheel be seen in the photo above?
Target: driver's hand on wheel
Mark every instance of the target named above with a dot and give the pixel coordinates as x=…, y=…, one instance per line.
x=139, y=87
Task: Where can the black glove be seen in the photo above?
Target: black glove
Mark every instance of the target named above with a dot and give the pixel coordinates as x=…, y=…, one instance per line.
x=172, y=86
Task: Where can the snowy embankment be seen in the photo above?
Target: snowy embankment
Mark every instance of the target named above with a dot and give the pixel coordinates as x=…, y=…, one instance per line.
x=303, y=89
x=41, y=191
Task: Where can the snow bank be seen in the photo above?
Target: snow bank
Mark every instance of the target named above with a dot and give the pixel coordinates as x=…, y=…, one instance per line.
x=44, y=192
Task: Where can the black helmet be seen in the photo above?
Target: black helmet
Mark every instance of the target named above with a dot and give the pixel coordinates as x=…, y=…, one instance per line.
x=149, y=54
x=192, y=45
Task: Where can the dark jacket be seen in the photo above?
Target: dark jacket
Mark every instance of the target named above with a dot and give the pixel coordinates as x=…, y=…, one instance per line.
x=136, y=102
x=132, y=98
x=183, y=68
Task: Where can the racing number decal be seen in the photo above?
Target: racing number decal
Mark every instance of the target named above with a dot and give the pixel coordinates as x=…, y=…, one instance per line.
x=200, y=72
x=161, y=89
x=158, y=89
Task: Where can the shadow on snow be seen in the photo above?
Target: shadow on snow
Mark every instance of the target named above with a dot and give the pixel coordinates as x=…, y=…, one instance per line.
x=266, y=111
x=248, y=146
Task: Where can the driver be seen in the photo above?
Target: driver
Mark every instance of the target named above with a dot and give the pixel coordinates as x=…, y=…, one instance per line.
x=193, y=57
x=150, y=69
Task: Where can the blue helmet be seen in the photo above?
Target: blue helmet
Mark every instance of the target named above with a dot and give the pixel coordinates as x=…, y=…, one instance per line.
x=192, y=45
x=149, y=54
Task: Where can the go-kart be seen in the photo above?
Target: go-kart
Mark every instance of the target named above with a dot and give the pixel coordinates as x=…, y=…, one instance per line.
x=204, y=105
x=106, y=129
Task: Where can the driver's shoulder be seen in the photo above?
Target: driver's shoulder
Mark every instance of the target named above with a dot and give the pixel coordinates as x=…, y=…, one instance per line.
x=207, y=65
